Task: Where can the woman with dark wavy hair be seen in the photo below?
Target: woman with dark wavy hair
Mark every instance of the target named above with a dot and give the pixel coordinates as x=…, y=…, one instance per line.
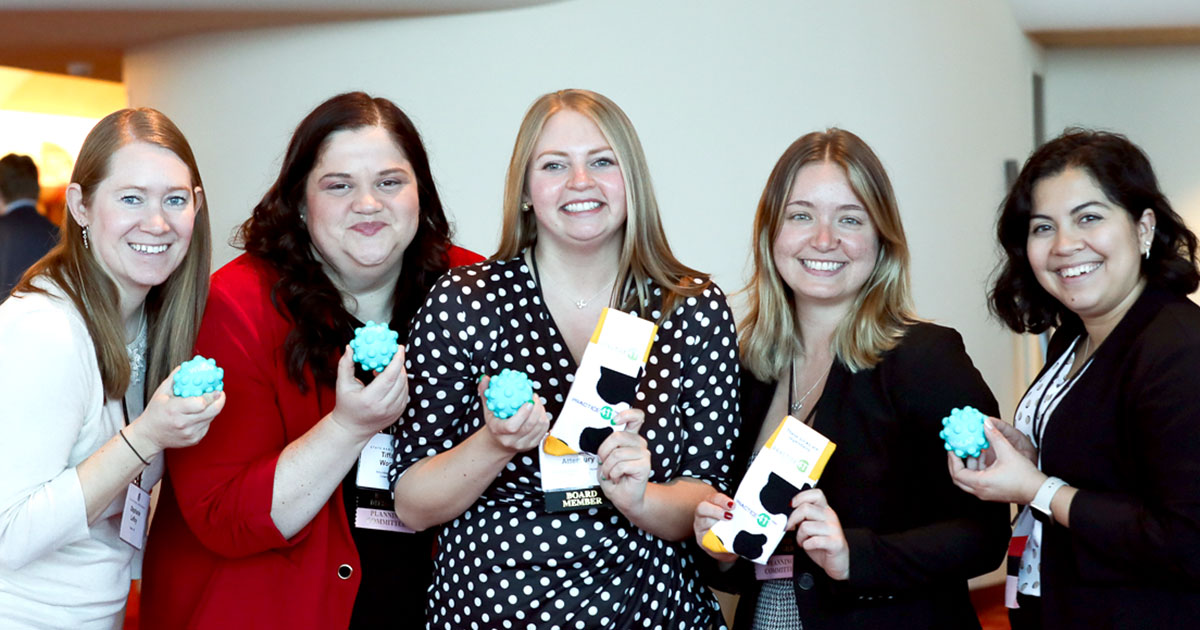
x=1105, y=454
x=282, y=518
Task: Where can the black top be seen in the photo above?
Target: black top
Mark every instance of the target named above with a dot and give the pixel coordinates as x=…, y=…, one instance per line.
x=914, y=537
x=387, y=588
x=25, y=236
x=1127, y=435
x=506, y=561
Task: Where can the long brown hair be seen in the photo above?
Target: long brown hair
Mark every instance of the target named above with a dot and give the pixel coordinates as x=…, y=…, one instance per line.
x=276, y=233
x=645, y=255
x=174, y=308
x=770, y=333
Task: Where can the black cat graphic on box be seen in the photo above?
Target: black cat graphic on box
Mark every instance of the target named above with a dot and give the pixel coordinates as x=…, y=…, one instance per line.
x=776, y=498
x=613, y=388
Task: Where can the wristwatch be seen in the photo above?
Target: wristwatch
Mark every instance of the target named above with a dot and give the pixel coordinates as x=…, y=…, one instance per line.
x=1041, y=500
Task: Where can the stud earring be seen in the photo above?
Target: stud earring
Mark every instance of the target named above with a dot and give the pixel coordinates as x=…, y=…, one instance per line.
x=86, y=243
x=526, y=206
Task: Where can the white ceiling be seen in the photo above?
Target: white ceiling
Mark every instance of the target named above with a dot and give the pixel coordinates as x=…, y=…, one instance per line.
x=89, y=37
x=1083, y=15
x=53, y=35
x=423, y=7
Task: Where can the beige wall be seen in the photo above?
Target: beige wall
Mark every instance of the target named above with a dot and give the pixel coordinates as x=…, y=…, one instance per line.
x=717, y=90
x=1148, y=94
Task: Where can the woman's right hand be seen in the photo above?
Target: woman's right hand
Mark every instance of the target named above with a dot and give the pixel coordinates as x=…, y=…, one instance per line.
x=717, y=507
x=524, y=430
x=365, y=410
x=1019, y=440
x=171, y=421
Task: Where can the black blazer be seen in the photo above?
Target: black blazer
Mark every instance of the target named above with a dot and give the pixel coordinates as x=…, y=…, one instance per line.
x=1127, y=435
x=25, y=236
x=914, y=537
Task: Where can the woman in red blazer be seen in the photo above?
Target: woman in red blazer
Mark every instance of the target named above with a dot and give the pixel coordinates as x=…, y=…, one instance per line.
x=280, y=517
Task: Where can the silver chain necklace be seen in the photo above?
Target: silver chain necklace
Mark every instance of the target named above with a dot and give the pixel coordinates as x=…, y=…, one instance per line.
x=797, y=405
x=581, y=303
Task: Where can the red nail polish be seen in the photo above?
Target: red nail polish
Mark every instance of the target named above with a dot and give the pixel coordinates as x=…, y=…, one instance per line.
x=728, y=516
x=730, y=504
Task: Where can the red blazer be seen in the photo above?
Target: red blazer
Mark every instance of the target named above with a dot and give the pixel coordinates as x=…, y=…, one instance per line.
x=215, y=558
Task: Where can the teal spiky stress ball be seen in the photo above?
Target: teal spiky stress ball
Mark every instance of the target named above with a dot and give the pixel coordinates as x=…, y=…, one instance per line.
x=374, y=345
x=198, y=376
x=507, y=391
x=963, y=432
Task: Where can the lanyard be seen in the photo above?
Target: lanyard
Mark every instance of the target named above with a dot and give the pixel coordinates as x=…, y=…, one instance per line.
x=125, y=413
x=1041, y=411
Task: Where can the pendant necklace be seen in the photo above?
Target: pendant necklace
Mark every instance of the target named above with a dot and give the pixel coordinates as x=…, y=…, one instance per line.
x=799, y=404
x=580, y=303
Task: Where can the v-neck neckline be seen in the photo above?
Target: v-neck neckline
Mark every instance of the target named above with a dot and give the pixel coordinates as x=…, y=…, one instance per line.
x=545, y=320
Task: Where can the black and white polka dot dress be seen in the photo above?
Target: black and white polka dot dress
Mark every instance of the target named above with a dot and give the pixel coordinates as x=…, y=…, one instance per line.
x=506, y=562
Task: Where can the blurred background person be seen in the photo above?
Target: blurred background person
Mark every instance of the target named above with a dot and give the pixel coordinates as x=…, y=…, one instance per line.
x=25, y=235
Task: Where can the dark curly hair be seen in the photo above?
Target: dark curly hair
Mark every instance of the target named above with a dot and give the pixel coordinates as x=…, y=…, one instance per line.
x=276, y=233
x=1123, y=172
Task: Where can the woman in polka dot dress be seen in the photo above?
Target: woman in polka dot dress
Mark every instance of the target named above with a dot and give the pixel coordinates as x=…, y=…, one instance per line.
x=580, y=222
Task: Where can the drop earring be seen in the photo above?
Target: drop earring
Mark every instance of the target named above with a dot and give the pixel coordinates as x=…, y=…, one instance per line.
x=86, y=243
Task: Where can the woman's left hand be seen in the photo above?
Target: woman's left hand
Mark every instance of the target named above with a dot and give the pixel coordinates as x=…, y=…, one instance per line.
x=1008, y=476
x=819, y=533
x=625, y=464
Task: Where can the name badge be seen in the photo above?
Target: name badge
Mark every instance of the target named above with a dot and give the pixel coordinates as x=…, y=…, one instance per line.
x=374, y=462
x=382, y=520
x=571, y=482
x=778, y=567
x=135, y=516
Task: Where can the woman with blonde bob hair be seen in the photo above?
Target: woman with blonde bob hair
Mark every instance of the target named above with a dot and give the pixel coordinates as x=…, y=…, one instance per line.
x=111, y=309
x=580, y=222
x=887, y=541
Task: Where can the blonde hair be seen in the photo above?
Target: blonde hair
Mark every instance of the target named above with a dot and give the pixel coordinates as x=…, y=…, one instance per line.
x=174, y=308
x=770, y=332
x=645, y=254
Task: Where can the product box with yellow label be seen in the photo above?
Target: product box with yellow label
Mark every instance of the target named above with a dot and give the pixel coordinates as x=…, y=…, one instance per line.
x=605, y=384
x=791, y=461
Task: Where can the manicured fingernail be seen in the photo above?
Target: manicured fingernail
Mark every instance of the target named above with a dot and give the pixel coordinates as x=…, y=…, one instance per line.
x=730, y=504
x=728, y=516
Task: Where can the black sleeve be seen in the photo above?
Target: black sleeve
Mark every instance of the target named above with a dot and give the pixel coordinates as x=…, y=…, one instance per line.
x=927, y=376
x=1157, y=531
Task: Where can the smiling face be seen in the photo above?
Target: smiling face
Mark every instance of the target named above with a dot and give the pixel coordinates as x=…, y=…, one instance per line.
x=139, y=217
x=1084, y=249
x=826, y=247
x=362, y=206
x=575, y=184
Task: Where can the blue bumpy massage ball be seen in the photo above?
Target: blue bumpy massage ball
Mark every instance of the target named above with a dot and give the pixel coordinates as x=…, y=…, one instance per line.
x=507, y=391
x=963, y=432
x=198, y=376
x=374, y=345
